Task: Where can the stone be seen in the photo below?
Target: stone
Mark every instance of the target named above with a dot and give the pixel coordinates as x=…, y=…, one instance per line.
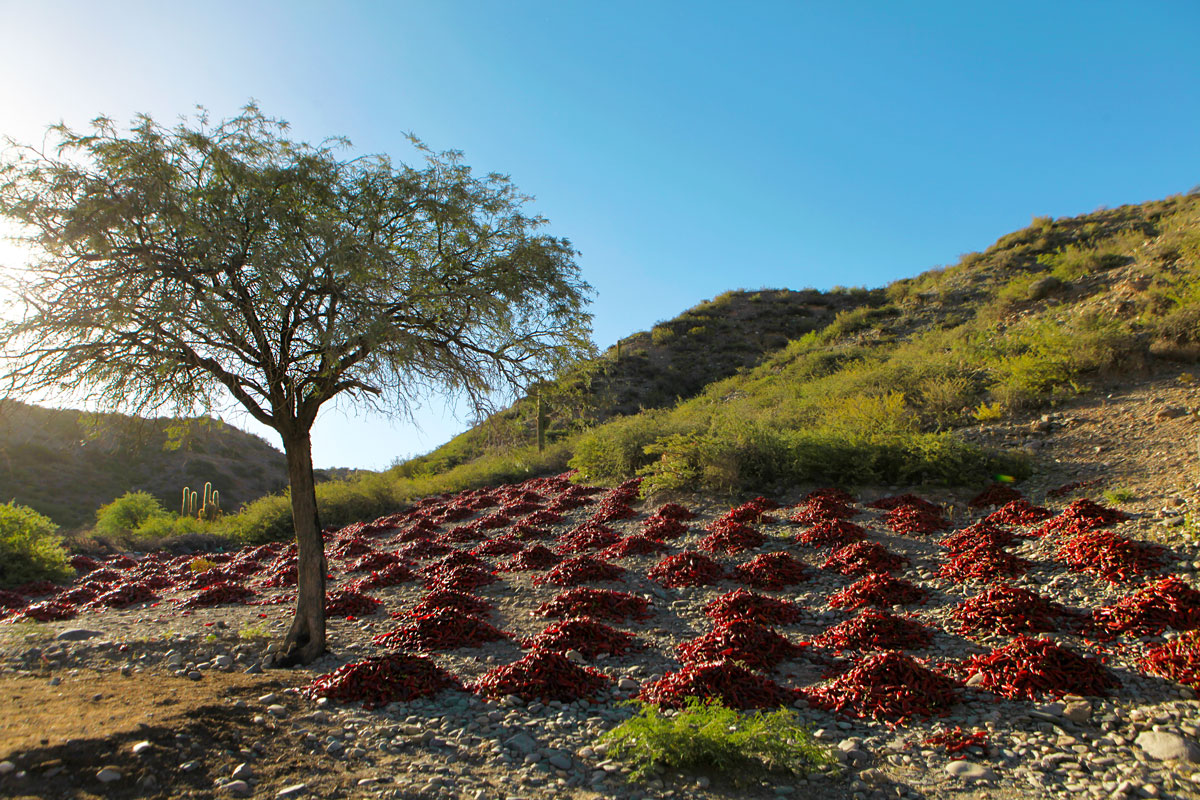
x=76, y=635
x=222, y=662
x=1078, y=711
x=560, y=761
x=295, y=790
x=243, y=772
x=7, y=767
x=523, y=743
x=237, y=788
x=968, y=771
x=108, y=775
x=1165, y=746
x=141, y=747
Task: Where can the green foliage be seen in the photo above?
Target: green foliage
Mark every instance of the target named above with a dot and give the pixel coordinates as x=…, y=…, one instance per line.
x=129, y=512
x=1120, y=495
x=708, y=736
x=618, y=449
x=1073, y=263
x=30, y=547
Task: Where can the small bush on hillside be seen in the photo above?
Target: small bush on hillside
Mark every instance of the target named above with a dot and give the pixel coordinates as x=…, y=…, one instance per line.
x=120, y=518
x=708, y=736
x=30, y=547
x=1074, y=263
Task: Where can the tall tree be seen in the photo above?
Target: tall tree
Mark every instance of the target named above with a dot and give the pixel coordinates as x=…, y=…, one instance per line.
x=179, y=267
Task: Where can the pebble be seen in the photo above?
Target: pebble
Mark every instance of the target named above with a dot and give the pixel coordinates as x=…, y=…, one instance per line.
x=238, y=788
x=295, y=790
x=969, y=771
x=76, y=635
x=243, y=772
x=141, y=747
x=7, y=767
x=1165, y=746
x=108, y=775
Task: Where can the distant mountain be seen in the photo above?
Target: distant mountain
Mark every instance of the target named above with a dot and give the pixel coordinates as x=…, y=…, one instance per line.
x=67, y=463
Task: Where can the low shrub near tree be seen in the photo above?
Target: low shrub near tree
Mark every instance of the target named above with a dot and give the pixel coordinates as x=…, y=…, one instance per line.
x=125, y=515
x=30, y=547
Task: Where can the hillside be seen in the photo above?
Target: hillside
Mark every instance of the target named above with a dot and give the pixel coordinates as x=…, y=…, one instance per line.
x=66, y=463
x=871, y=386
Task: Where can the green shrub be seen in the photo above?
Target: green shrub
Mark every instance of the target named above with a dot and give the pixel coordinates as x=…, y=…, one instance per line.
x=120, y=518
x=617, y=449
x=30, y=547
x=1120, y=495
x=1073, y=263
x=709, y=736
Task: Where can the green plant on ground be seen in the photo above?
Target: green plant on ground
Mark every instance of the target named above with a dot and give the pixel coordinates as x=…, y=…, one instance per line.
x=708, y=736
x=254, y=632
x=1119, y=495
x=30, y=547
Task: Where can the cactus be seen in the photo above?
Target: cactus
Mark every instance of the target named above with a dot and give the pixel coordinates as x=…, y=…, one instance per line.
x=207, y=507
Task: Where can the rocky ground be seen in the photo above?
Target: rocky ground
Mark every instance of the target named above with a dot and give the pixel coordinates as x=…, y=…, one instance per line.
x=153, y=701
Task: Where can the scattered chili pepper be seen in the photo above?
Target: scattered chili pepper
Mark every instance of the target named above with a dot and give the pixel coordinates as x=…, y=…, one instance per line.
x=956, y=740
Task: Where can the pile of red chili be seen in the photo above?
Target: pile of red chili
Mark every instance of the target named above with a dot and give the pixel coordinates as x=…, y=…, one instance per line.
x=603, y=603
x=536, y=556
x=637, y=545
x=1029, y=668
x=686, y=569
x=1177, y=660
x=589, y=637
x=379, y=680
x=879, y=589
x=748, y=605
x=1166, y=603
x=771, y=571
x=861, y=558
x=443, y=629
x=875, y=630
x=957, y=740
x=730, y=536
x=542, y=675
x=216, y=594
x=741, y=640
x=1019, y=512
x=889, y=686
x=1079, y=517
x=582, y=569
x=732, y=684
x=1109, y=555
x=835, y=533
x=448, y=598
x=1007, y=609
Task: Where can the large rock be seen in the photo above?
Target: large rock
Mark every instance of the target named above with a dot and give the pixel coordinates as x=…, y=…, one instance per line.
x=76, y=635
x=1167, y=746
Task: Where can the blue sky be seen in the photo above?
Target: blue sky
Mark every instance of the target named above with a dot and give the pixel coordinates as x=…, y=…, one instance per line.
x=685, y=148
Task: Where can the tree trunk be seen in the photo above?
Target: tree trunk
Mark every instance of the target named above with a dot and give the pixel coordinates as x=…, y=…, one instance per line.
x=305, y=640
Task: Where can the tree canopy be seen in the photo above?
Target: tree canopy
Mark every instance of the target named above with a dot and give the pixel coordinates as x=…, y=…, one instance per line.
x=180, y=267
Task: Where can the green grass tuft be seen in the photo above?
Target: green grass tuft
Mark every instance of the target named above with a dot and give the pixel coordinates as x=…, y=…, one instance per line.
x=708, y=736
